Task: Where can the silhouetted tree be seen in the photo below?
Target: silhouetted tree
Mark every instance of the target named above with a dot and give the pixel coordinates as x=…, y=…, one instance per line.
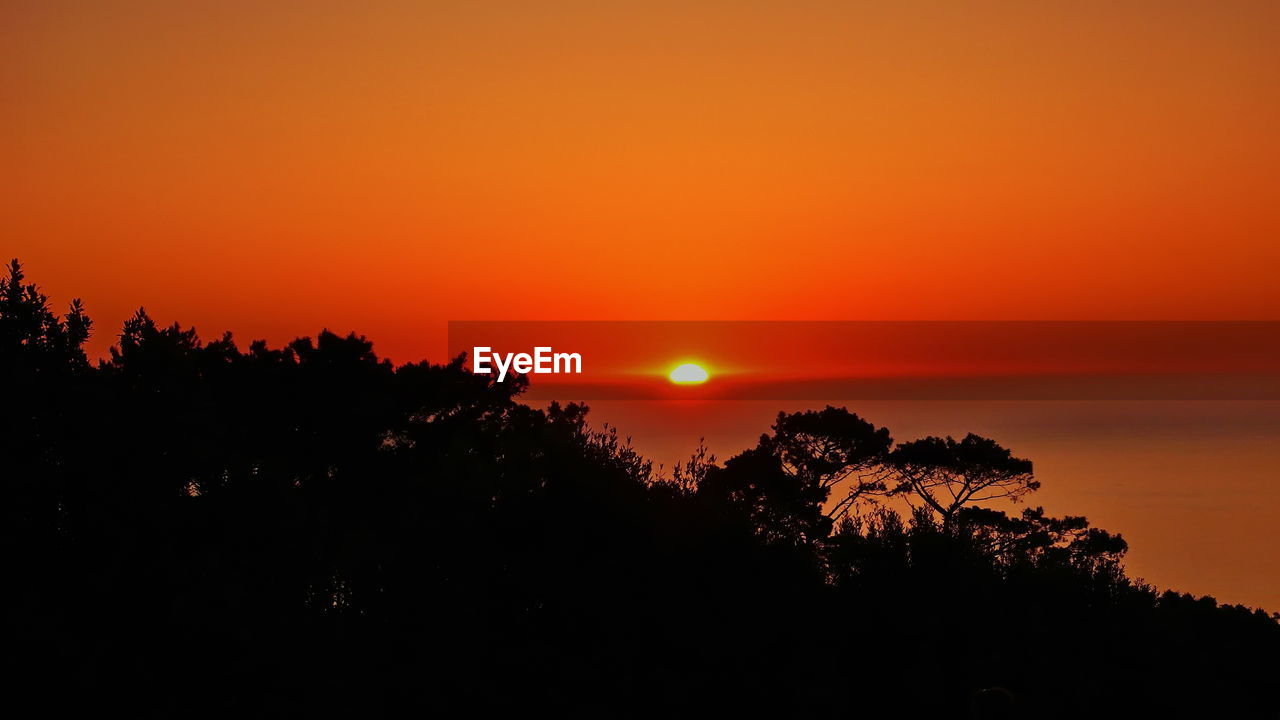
x=192, y=528
x=829, y=448
x=780, y=507
x=1036, y=537
x=946, y=475
x=32, y=338
x=783, y=485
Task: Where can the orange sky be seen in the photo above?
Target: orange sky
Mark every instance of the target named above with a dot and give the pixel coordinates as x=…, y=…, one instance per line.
x=388, y=166
x=272, y=168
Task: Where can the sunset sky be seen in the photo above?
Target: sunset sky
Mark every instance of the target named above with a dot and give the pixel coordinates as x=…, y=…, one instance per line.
x=387, y=167
x=272, y=167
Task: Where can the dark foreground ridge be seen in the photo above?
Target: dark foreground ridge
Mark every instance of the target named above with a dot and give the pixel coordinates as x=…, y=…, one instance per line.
x=193, y=529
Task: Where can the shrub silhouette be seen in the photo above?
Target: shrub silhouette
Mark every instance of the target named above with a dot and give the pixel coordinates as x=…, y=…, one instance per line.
x=194, y=529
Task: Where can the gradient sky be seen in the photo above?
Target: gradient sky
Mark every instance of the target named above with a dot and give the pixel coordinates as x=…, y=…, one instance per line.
x=387, y=166
x=276, y=167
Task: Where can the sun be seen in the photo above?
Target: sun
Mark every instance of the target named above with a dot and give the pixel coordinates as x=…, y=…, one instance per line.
x=688, y=374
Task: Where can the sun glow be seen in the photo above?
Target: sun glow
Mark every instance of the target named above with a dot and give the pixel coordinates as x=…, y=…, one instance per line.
x=688, y=374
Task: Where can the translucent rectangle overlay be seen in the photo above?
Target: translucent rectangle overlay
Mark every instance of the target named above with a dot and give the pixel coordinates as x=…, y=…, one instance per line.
x=866, y=360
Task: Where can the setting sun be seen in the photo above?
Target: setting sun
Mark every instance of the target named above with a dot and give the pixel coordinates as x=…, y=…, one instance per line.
x=688, y=374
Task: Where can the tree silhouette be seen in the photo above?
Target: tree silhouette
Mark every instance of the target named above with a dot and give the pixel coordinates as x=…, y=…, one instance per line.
x=947, y=475
x=1036, y=537
x=828, y=448
x=193, y=528
x=783, y=485
x=32, y=337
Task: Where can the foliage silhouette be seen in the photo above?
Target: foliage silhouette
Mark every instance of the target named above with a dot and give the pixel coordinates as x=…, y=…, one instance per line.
x=194, y=529
x=947, y=475
x=831, y=447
